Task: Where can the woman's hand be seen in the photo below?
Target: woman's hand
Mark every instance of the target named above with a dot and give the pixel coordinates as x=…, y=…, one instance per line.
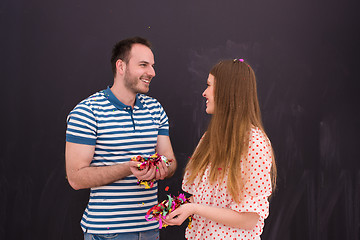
x=179, y=215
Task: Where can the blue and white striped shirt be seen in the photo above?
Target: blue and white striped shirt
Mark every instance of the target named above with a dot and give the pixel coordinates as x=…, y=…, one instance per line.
x=118, y=133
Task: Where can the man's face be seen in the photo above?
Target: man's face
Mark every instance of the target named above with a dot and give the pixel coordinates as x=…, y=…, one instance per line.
x=139, y=69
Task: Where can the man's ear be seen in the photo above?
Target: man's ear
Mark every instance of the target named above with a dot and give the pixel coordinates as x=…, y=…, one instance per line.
x=120, y=67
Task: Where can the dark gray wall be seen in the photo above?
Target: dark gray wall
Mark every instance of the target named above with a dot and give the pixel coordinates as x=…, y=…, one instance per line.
x=305, y=54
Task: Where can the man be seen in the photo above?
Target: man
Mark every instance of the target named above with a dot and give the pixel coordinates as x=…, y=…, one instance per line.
x=104, y=132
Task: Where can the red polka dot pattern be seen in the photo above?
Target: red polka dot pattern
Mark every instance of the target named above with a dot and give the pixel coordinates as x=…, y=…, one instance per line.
x=256, y=174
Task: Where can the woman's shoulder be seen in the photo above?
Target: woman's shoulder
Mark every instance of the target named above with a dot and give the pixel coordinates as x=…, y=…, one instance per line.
x=257, y=134
x=255, y=131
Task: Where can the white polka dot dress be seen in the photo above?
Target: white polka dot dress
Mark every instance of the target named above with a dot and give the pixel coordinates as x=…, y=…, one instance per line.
x=256, y=172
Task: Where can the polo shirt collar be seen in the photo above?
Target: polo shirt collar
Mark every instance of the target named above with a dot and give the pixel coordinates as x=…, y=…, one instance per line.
x=118, y=104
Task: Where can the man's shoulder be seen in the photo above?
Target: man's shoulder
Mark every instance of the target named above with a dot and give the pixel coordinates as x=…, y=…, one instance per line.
x=148, y=101
x=90, y=103
x=94, y=98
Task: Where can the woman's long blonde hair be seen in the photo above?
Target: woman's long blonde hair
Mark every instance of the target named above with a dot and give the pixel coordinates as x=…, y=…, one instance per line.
x=227, y=137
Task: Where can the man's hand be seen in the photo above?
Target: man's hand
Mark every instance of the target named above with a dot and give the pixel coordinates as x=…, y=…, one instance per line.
x=161, y=171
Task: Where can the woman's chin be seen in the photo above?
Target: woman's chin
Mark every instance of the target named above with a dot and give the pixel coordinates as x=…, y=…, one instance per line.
x=208, y=111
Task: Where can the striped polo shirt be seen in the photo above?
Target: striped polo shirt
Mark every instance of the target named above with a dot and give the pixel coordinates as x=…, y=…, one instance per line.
x=118, y=132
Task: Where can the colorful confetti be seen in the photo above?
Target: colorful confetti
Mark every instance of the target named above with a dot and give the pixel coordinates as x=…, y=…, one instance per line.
x=153, y=160
x=161, y=210
x=147, y=183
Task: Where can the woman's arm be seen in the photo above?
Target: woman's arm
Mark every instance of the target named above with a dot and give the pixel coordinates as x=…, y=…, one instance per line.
x=225, y=216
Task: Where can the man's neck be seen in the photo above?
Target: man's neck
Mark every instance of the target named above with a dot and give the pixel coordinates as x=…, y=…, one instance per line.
x=123, y=95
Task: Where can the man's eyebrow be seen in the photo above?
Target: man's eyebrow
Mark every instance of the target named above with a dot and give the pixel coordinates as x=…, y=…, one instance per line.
x=146, y=62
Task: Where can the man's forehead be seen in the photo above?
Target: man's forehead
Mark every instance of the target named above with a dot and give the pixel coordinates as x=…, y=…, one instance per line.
x=140, y=53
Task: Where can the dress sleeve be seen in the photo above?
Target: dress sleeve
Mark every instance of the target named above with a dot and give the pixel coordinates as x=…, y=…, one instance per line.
x=256, y=170
x=81, y=125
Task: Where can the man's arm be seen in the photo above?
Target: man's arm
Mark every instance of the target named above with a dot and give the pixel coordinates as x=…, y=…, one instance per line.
x=164, y=148
x=81, y=175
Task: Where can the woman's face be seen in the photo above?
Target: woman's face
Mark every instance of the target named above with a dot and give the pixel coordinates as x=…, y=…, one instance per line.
x=209, y=94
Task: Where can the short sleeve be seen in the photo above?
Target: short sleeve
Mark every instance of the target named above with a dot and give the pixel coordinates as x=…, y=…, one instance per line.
x=164, y=122
x=256, y=169
x=81, y=125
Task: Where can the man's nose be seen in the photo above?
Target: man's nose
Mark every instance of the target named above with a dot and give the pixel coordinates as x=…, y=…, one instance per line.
x=151, y=71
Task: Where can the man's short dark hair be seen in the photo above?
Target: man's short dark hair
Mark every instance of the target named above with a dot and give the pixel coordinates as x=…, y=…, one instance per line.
x=122, y=50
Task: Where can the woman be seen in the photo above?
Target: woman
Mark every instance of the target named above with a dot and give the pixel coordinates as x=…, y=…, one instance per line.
x=232, y=172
